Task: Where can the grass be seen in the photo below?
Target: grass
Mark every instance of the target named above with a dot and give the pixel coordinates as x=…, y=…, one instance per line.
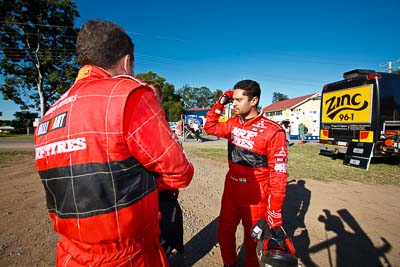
x=217, y=154
x=306, y=163
x=4, y=136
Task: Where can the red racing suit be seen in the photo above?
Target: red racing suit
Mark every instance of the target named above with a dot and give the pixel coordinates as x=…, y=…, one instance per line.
x=256, y=180
x=103, y=151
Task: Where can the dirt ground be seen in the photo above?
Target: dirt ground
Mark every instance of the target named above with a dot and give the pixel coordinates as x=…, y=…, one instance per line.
x=332, y=223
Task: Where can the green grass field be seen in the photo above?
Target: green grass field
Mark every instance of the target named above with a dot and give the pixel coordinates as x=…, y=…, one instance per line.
x=4, y=136
x=306, y=163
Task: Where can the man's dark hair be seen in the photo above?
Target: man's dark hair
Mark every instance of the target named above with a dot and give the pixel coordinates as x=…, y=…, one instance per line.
x=102, y=43
x=251, y=88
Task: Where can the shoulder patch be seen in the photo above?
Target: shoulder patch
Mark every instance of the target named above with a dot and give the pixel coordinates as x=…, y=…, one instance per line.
x=54, y=123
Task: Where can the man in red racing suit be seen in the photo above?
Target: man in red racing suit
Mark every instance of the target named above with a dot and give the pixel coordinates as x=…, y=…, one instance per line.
x=256, y=181
x=103, y=151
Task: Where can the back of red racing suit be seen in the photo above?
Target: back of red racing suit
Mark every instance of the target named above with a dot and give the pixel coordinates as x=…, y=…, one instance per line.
x=255, y=182
x=101, y=170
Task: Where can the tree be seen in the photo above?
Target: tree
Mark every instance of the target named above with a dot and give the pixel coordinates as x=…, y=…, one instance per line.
x=151, y=76
x=276, y=97
x=23, y=119
x=37, y=52
x=217, y=93
x=172, y=104
x=194, y=97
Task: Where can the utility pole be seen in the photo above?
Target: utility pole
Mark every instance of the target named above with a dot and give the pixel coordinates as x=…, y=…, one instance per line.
x=390, y=65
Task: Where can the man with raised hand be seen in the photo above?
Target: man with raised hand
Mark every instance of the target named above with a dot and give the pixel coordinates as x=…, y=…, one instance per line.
x=256, y=180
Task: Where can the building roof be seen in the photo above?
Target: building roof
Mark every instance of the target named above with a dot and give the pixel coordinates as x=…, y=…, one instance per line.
x=7, y=128
x=286, y=104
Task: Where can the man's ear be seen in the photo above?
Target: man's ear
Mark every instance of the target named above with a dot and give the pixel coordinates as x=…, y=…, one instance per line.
x=254, y=101
x=127, y=68
x=123, y=65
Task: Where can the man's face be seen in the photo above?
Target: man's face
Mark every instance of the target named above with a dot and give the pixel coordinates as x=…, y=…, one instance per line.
x=242, y=105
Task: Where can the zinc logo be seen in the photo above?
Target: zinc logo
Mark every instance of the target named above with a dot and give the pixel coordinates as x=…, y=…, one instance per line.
x=348, y=105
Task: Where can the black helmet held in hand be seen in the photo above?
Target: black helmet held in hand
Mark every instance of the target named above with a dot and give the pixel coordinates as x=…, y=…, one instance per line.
x=275, y=249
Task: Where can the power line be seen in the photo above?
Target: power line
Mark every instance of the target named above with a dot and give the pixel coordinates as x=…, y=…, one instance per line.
x=56, y=26
x=60, y=53
x=36, y=24
x=64, y=26
x=40, y=34
x=390, y=65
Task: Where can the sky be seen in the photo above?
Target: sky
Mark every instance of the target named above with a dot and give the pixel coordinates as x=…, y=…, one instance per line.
x=291, y=47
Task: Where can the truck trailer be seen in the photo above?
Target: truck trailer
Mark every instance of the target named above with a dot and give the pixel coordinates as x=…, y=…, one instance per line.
x=364, y=107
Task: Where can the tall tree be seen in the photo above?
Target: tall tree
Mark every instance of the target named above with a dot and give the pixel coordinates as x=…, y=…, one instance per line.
x=24, y=119
x=37, y=52
x=217, y=93
x=195, y=97
x=172, y=104
x=276, y=97
x=151, y=76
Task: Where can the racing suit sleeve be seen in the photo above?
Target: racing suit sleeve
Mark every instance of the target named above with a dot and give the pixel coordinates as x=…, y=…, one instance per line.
x=277, y=164
x=213, y=126
x=151, y=142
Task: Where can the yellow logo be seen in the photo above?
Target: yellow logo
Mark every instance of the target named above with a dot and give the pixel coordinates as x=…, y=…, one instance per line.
x=84, y=72
x=348, y=105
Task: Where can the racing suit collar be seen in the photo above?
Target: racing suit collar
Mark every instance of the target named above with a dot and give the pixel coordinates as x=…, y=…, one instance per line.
x=251, y=120
x=92, y=72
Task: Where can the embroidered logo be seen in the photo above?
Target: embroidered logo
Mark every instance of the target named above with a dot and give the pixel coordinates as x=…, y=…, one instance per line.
x=54, y=123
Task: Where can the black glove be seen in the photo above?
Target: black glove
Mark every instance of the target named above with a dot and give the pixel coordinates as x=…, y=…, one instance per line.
x=224, y=99
x=260, y=230
x=278, y=233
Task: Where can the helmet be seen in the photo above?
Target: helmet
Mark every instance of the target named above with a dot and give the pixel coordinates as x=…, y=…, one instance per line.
x=275, y=249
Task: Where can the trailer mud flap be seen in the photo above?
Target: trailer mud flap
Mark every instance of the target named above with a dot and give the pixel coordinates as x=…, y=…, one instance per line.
x=359, y=155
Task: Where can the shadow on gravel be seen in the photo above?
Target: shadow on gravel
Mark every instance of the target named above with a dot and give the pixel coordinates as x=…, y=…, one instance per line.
x=202, y=243
x=353, y=248
x=294, y=210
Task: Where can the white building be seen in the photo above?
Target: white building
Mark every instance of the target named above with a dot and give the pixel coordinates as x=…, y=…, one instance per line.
x=302, y=109
x=6, y=129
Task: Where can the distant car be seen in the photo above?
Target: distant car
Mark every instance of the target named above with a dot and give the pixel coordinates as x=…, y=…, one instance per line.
x=172, y=125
